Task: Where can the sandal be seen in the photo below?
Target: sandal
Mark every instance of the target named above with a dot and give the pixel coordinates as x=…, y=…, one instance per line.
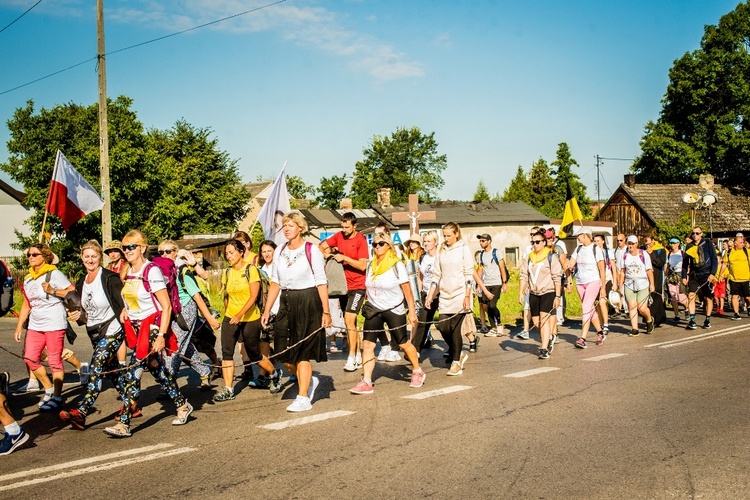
x=52, y=404
x=119, y=430
x=182, y=414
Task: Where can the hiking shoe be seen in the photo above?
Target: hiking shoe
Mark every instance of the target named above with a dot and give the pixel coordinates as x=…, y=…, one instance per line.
x=473, y=344
x=205, y=383
x=605, y=329
x=362, y=388
x=11, y=442
x=119, y=430
x=417, y=379
x=350, y=366
x=633, y=333
x=75, y=418
x=707, y=323
x=736, y=317
x=600, y=338
x=393, y=356
x=581, y=343
x=650, y=326
x=692, y=325
x=226, y=395
x=384, y=351
x=551, y=343
x=491, y=333
x=31, y=386
x=676, y=319
x=247, y=374
x=483, y=329
x=543, y=354
x=183, y=413
x=455, y=369
x=83, y=374
x=4, y=383
x=524, y=335
x=262, y=382
x=314, y=381
x=276, y=386
x=300, y=404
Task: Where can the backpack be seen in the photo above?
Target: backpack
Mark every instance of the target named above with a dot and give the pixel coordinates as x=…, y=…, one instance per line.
x=169, y=271
x=6, y=289
x=183, y=270
x=265, y=284
x=492, y=260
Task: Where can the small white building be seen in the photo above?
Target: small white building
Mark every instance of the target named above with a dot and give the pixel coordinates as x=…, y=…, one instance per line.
x=13, y=214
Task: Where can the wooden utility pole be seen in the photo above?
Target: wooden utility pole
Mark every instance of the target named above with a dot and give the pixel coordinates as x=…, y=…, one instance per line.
x=103, y=127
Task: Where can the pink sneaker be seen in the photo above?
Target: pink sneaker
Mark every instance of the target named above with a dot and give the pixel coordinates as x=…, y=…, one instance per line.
x=362, y=388
x=417, y=379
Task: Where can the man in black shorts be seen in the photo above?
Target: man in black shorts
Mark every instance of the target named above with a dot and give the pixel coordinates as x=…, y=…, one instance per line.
x=699, y=275
x=351, y=251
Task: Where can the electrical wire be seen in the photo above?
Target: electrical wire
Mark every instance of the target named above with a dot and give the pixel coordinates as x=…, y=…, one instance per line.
x=96, y=58
x=19, y=17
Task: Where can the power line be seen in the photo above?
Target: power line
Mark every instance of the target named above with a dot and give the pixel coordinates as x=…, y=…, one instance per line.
x=19, y=17
x=142, y=43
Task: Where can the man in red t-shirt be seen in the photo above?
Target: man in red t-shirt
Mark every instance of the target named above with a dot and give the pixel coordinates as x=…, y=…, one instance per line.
x=351, y=250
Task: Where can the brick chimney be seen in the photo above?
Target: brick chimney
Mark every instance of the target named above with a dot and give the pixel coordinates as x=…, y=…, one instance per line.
x=384, y=197
x=630, y=180
x=345, y=204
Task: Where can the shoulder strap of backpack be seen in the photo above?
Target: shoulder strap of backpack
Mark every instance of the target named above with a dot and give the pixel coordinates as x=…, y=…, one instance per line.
x=308, y=254
x=494, y=257
x=246, y=272
x=640, y=253
x=746, y=255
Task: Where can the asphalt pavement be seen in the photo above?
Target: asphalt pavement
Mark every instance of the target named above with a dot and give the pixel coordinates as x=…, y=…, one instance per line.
x=655, y=416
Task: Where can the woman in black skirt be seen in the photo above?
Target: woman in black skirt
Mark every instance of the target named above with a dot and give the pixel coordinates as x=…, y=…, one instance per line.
x=299, y=276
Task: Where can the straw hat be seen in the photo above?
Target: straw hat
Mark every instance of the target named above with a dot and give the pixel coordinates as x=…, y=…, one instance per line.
x=114, y=245
x=414, y=237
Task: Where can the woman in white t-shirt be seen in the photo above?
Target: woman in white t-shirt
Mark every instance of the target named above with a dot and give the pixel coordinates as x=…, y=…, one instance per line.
x=43, y=289
x=637, y=277
x=427, y=312
x=101, y=298
x=146, y=318
x=299, y=330
x=590, y=278
x=387, y=285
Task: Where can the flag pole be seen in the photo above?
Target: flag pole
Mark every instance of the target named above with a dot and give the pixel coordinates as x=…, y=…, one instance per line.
x=46, y=205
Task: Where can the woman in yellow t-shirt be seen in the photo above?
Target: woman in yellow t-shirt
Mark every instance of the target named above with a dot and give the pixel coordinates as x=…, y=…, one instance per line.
x=241, y=319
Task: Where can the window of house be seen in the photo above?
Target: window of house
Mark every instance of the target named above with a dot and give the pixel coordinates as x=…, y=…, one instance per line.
x=511, y=256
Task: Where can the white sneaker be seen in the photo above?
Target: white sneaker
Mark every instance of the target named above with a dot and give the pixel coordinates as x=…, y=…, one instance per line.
x=358, y=361
x=524, y=335
x=83, y=374
x=384, y=351
x=311, y=390
x=491, y=333
x=31, y=386
x=393, y=356
x=462, y=359
x=300, y=404
x=349, y=366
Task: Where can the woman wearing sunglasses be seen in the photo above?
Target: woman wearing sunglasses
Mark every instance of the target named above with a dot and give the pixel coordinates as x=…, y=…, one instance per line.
x=299, y=330
x=541, y=277
x=43, y=289
x=100, y=290
x=146, y=319
x=387, y=285
x=452, y=278
x=184, y=325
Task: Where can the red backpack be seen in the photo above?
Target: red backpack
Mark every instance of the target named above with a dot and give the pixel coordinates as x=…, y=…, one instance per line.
x=169, y=270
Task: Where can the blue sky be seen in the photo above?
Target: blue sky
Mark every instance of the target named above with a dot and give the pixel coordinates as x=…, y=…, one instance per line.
x=501, y=83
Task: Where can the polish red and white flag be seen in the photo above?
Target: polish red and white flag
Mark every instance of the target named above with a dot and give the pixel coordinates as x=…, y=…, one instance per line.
x=70, y=196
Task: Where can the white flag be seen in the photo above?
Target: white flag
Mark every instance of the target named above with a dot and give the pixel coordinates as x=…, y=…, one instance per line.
x=70, y=196
x=276, y=205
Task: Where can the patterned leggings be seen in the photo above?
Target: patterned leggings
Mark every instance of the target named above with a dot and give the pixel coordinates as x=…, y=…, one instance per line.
x=130, y=381
x=103, y=359
x=185, y=345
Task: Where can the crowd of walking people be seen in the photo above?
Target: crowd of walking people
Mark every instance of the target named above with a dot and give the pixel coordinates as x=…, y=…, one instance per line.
x=277, y=307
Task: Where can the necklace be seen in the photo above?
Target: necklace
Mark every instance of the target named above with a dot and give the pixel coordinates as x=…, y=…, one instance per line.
x=290, y=262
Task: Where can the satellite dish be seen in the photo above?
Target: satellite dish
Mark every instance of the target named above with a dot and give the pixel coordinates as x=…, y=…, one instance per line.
x=690, y=198
x=709, y=199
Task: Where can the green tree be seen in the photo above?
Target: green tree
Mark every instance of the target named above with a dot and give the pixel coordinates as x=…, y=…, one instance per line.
x=564, y=176
x=704, y=124
x=667, y=229
x=331, y=191
x=407, y=162
x=297, y=188
x=481, y=194
x=519, y=189
x=200, y=190
x=541, y=184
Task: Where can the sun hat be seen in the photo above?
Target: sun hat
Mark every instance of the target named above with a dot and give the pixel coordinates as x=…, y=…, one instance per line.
x=614, y=298
x=114, y=245
x=632, y=239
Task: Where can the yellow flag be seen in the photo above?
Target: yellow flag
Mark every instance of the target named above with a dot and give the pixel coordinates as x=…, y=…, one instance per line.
x=572, y=213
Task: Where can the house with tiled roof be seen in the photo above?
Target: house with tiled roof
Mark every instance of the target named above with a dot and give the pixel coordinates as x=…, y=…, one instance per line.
x=637, y=208
x=14, y=214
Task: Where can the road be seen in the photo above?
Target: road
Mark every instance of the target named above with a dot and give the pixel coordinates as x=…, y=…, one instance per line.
x=655, y=416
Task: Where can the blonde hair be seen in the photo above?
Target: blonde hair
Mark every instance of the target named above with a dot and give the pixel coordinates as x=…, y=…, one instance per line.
x=296, y=217
x=168, y=244
x=139, y=238
x=432, y=234
x=93, y=245
x=378, y=237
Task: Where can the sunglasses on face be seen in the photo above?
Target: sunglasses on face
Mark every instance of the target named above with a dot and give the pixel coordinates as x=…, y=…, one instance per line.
x=130, y=248
x=168, y=252
x=30, y=255
x=621, y=241
x=482, y=241
x=379, y=244
x=697, y=233
x=536, y=242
